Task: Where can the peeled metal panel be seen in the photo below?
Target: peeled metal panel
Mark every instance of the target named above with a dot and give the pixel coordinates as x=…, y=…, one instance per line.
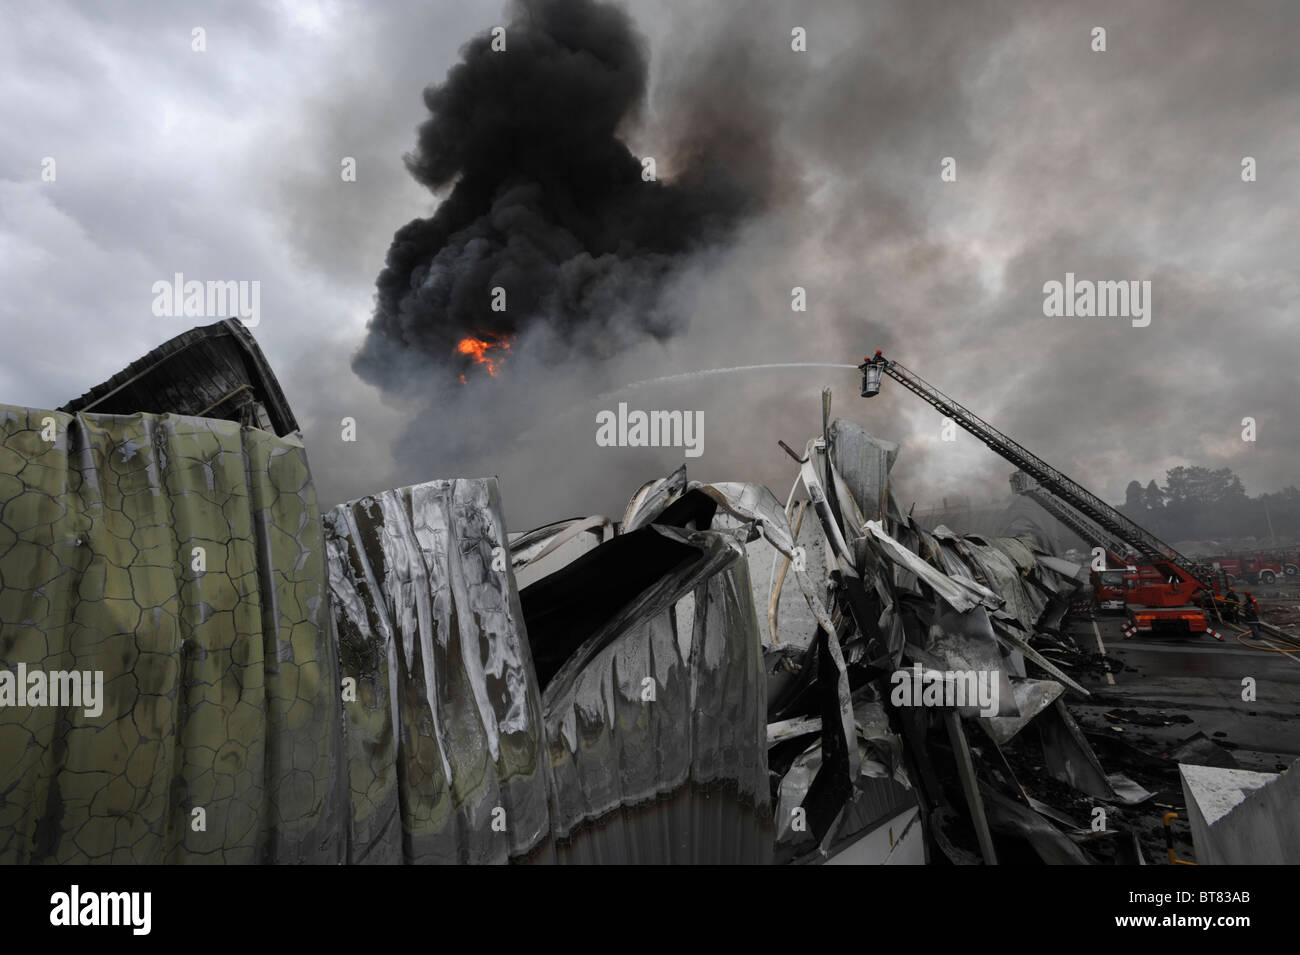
x=444, y=739
x=652, y=499
x=864, y=461
x=1068, y=569
x=1020, y=553
x=1031, y=698
x=657, y=738
x=957, y=593
x=880, y=791
x=220, y=690
x=546, y=549
x=1003, y=576
x=964, y=642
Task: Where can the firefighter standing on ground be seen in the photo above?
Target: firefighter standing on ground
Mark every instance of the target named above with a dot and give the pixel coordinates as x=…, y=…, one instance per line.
x=1250, y=613
x=1230, y=605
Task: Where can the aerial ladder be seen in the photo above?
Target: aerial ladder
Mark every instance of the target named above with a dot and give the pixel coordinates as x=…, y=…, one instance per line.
x=1108, y=583
x=1082, y=527
x=1166, y=583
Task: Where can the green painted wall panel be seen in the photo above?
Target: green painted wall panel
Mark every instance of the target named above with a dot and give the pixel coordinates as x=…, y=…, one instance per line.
x=220, y=688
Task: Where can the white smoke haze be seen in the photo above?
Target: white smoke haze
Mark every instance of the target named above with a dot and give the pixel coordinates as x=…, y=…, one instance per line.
x=1117, y=165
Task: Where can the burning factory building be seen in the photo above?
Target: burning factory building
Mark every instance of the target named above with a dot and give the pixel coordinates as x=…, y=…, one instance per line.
x=402, y=679
x=766, y=656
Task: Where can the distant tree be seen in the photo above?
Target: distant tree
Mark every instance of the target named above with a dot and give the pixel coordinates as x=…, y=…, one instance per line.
x=1133, y=500
x=1153, y=498
x=1198, y=485
x=1201, y=502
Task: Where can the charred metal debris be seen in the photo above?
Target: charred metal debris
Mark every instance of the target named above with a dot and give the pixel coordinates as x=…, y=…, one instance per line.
x=714, y=676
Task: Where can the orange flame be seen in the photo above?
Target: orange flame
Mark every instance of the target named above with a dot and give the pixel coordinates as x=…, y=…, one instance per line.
x=478, y=348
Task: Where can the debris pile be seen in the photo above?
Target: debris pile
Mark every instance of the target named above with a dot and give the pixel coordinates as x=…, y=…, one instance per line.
x=612, y=712
x=401, y=681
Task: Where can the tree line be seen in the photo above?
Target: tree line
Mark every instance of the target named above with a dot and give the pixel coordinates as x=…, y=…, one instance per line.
x=1198, y=503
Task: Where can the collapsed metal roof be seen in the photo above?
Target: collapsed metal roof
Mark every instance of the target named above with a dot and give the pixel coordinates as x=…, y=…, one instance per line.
x=589, y=691
x=612, y=713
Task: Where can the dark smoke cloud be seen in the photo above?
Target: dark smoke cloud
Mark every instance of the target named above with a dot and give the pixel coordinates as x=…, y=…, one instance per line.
x=547, y=201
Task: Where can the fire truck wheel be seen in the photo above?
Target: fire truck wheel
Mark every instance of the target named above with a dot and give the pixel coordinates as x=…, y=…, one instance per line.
x=1268, y=576
x=1292, y=570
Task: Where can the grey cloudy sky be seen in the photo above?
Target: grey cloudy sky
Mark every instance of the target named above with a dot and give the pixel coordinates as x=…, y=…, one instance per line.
x=1117, y=165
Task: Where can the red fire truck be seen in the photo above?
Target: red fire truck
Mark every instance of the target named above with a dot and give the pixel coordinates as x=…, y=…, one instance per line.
x=1163, y=588
x=1255, y=568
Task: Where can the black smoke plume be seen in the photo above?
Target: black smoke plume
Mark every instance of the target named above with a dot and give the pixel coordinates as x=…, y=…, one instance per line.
x=546, y=201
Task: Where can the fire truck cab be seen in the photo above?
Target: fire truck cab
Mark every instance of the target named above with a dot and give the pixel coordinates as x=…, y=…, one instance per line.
x=1109, y=589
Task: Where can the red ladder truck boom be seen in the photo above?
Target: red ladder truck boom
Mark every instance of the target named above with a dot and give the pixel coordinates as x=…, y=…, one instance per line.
x=1108, y=581
x=1184, y=578
x=1115, y=549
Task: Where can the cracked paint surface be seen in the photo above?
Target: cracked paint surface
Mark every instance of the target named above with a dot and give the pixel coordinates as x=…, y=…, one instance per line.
x=219, y=682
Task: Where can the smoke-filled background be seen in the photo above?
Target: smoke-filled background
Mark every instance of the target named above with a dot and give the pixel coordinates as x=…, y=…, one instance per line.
x=523, y=169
